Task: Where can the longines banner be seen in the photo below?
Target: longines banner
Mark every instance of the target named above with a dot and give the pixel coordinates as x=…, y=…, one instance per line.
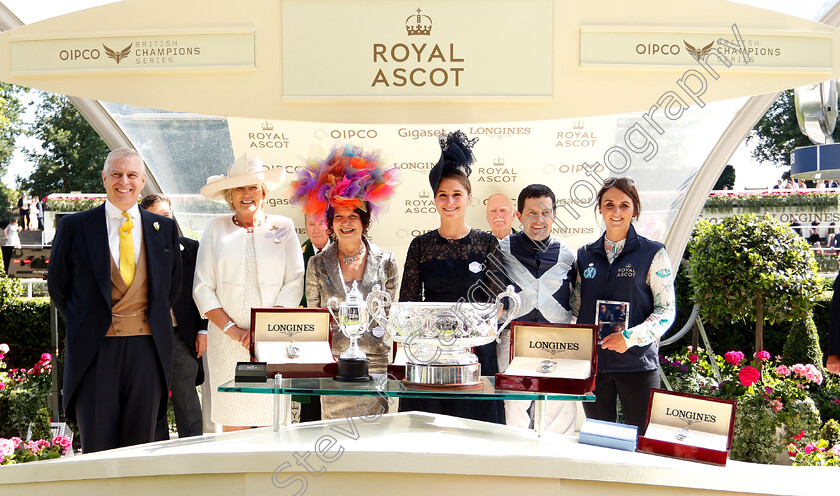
x=418, y=62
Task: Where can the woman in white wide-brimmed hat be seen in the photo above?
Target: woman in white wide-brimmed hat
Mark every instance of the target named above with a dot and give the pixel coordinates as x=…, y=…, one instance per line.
x=245, y=260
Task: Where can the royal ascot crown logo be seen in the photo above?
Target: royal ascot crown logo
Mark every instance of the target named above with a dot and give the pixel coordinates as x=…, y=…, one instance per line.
x=423, y=203
x=267, y=138
x=577, y=137
x=117, y=56
x=418, y=25
x=498, y=173
x=417, y=63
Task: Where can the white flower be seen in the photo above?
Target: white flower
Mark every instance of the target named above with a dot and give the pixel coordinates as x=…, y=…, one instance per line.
x=157, y=226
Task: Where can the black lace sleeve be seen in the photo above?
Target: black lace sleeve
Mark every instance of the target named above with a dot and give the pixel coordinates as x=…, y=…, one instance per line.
x=411, y=287
x=494, y=275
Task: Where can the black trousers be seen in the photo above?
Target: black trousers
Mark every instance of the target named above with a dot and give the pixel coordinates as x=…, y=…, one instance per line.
x=633, y=388
x=184, y=397
x=118, y=398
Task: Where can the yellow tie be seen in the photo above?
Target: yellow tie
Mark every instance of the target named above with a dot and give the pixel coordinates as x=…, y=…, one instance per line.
x=127, y=250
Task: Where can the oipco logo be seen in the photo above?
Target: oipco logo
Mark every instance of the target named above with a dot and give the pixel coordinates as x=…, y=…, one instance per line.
x=345, y=134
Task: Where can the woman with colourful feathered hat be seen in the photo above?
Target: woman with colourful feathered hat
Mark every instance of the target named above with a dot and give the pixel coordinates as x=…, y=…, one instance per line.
x=348, y=189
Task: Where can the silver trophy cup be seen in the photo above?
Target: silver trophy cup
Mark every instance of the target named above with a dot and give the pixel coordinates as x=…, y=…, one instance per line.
x=352, y=318
x=437, y=336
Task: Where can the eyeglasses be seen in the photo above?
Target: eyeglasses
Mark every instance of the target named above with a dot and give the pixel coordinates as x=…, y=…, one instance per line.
x=610, y=181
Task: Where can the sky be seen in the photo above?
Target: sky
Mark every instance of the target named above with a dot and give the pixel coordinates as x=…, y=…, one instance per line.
x=749, y=173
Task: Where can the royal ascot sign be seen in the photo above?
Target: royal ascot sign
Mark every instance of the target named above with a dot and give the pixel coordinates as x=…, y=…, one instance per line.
x=126, y=52
x=424, y=52
x=603, y=47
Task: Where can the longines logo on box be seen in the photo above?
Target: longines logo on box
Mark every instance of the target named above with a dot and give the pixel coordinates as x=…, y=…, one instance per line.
x=345, y=134
x=498, y=173
x=290, y=329
x=267, y=137
x=423, y=204
x=499, y=132
x=416, y=64
x=553, y=347
x=690, y=417
x=577, y=137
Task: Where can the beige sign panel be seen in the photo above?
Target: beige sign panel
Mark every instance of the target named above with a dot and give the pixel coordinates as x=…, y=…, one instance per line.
x=127, y=52
x=417, y=52
x=472, y=30
x=733, y=49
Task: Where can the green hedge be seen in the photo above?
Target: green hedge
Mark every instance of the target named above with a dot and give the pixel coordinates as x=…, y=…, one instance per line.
x=25, y=327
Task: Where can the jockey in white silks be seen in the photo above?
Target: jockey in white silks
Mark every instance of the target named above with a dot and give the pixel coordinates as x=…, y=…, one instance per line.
x=539, y=270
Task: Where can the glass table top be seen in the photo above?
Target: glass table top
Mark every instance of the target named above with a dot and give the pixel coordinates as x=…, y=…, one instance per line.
x=381, y=385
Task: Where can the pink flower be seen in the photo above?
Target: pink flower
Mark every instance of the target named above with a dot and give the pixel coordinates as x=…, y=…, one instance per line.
x=693, y=358
x=810, y=448
x=835, y=450
x=783, y=371
x=46, y=357
x=813, y=374
x=749, y=375
x=690, y=348
x=776, y=405
x=16, y=440
x=791, y=449
x=762, y=355
x=4, y=348
x=63, y=442
x=798, y=369
x=2, y=386
x=7, y=447
x=733, y=357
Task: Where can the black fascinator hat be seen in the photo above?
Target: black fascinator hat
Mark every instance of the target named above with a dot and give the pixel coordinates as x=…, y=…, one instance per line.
x=455, y=156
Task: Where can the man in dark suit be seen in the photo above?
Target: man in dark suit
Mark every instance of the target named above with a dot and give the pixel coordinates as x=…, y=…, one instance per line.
x=114, y=274
x=40, y=206
x=316, y=231
x=23, y=211
x=189, y=339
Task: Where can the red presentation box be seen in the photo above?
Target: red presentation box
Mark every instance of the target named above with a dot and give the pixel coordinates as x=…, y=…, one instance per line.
x=572, y=347
x=688, y=426
x=272, y=333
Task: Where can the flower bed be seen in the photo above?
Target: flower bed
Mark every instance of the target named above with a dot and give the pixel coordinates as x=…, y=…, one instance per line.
x=15, y=450
x=774, y=401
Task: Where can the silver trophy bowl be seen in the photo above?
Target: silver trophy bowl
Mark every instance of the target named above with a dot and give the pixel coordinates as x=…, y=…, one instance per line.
x=437, y=336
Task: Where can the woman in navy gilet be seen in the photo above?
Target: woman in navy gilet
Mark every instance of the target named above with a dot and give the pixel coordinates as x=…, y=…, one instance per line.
x=632, y=274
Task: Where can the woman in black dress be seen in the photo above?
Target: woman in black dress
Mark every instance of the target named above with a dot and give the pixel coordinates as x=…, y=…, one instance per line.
x=453, y=262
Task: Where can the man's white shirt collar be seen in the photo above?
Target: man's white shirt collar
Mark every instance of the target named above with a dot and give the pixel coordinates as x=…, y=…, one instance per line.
x=114, y=212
